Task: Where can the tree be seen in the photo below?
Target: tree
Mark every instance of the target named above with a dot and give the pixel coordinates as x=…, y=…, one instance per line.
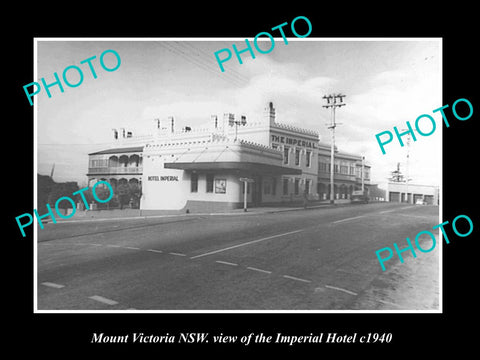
x=59, y=190
x=123, y=194
x=135, y=194
x=44, y=186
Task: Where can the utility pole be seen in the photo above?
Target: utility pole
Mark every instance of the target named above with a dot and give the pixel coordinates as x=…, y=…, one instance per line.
x=363, y=182
x=333, y=103
x=408, y=163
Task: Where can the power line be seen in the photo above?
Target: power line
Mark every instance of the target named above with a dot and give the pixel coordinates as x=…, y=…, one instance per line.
x=200, y=64
x=206, y=59
x=206, y=55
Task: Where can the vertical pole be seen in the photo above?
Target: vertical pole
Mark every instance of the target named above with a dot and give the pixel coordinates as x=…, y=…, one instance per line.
x=332, y=126
x=245, y=196
x=332, y=159
x=363, y=186
x=408, y=158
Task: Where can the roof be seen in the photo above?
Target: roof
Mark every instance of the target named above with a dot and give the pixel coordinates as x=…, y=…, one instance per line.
x=234, y=165
x=119, y=150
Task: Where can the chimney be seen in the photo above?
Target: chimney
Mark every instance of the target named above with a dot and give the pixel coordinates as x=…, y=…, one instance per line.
x=123, y=132
x=171, y=122
x=269, y=113
x=157, y=123
x=115, y=134
x=214, y=119
x=228, y=118
x=243, y=120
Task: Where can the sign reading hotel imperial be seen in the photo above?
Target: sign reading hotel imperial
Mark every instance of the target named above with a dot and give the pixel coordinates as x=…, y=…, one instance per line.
x=162, y=178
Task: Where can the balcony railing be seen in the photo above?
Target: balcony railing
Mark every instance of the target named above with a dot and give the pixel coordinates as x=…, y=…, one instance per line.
x=115, y=170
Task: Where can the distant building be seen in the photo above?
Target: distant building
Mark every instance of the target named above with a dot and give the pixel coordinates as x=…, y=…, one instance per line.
x=403, y=193
x=347, y=173
x=200, y=168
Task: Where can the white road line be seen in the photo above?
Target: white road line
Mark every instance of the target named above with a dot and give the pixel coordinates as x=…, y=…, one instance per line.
x=115, y=246
x=177, y=254
x=103, y=300
x=226, y=263
x=340, y=289
x=347, y=219
x=155, y=251
x=131, y=248
x=295, y=278
x=407, y=207
x=259, y=270
x=246, y=243
x=53, y=285
x=386, y=211
x=96, y=244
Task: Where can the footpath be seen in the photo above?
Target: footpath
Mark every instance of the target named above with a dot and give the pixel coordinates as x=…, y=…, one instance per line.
x=129, y=214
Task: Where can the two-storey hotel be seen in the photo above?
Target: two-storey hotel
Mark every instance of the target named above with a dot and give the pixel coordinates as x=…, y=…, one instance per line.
x=203, y=169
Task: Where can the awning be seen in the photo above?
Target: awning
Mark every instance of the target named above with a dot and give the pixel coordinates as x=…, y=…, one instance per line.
x=251, y=167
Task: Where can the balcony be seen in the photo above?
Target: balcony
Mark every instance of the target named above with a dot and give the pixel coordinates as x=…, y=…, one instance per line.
x=134, y=170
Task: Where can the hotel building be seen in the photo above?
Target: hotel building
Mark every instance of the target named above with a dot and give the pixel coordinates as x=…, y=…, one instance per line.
x=201, y=169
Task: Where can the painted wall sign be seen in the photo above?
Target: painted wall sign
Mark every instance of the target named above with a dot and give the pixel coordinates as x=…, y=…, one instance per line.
x=162, y=178
x=291, y=141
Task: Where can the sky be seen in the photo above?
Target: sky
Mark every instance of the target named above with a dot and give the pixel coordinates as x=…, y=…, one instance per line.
x=386, y=82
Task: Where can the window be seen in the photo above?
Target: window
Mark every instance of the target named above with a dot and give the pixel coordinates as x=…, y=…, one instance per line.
x=209, y=183
x=274, y=186
x=194, y=182
x=285, y=186
x=343, y=169
x=307, y=159
x=322, y=166
x=307, y=186
x=335, y=168
x=297, y=187
x=352, y=170
x=220, y=186
x=285, y=154
x=297, y=156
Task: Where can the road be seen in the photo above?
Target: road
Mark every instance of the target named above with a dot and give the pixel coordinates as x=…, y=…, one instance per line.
x=314, y=259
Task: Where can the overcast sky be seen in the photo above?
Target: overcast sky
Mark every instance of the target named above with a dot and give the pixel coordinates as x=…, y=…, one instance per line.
x=386, y=82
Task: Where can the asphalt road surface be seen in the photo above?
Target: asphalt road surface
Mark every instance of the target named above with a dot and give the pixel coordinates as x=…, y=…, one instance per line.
x=314, y=259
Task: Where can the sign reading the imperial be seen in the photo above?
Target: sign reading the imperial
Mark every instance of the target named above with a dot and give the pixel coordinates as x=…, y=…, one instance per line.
x=162, y=178
x=291, y=141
